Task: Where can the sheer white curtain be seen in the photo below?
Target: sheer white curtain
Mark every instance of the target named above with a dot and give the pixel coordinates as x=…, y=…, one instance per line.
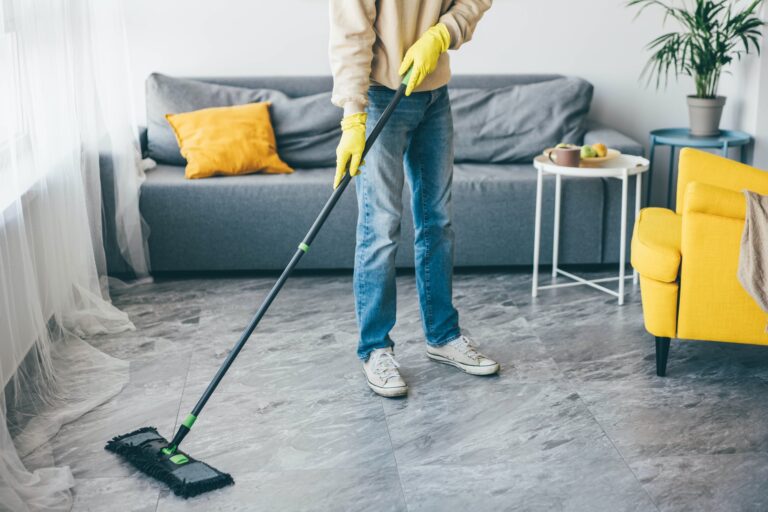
x=64, y=100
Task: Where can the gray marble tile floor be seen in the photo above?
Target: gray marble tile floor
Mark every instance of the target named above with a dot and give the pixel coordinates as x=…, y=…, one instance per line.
x=576, y=421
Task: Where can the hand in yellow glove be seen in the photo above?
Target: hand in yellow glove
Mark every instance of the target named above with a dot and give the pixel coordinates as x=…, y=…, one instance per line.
x=350, y=148
x=423, y=55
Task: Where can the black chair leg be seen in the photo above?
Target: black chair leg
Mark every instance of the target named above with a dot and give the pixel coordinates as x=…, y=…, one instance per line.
x=662, y=354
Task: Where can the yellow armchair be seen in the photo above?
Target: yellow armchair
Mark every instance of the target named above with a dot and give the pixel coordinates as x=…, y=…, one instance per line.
x=688, y=259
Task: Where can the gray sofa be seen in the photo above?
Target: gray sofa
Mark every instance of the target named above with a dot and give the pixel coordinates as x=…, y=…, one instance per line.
x=254, y=222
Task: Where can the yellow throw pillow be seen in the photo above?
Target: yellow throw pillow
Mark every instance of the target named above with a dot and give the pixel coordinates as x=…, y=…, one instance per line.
x=228, y=140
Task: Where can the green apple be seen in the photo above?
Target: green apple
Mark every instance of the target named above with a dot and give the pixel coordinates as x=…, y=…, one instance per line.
x=588, y=152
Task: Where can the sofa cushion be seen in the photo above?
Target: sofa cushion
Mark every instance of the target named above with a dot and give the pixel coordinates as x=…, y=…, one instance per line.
x=515, y=123
x=656, y=244
x=228, y=141
x=306, y=128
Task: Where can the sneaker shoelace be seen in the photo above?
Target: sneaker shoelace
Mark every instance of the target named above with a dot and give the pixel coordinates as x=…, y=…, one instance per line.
x=467, y=348
x=385, y=366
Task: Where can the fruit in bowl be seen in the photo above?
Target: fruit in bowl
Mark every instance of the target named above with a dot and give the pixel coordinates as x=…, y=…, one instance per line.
x=588, y=152
x=590, y=155
x=601, y=150
x=598, y=150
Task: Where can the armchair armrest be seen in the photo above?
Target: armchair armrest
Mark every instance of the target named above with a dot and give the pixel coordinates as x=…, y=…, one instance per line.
x=713, y=200
x=613, y=139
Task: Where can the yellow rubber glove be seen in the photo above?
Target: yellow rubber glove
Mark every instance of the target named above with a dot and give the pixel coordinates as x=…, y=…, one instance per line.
x=423, y=55
x=351, y=146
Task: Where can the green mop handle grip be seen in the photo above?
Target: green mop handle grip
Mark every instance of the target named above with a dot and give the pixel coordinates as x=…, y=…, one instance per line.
x=186, y=425
x=407, y=77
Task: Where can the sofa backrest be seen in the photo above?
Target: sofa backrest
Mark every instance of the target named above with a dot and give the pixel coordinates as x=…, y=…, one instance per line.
x=295, y=86
x=497, y=118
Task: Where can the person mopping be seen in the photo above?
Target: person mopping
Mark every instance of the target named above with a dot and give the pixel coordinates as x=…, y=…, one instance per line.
x=417, y=139
x=368, y=43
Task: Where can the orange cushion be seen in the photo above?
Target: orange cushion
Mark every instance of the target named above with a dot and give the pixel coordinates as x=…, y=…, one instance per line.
x=228, y=140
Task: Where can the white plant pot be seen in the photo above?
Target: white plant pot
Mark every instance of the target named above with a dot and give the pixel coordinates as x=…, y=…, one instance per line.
x=705, y=115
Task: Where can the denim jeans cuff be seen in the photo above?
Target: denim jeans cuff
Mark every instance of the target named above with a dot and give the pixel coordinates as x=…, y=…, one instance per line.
x=446, y=341
x=384, y=344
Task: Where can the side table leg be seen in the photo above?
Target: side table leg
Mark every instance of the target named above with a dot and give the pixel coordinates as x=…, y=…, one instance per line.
x=537, y=235
x=623, y=247
x=650, y=171
x=638, y=192
x=725, y=149
x=556, y=235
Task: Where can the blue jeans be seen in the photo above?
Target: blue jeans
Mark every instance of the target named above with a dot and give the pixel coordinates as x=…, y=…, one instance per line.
x=417, y=144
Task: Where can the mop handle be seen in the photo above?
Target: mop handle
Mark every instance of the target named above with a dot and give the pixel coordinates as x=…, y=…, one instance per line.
x=301, y=251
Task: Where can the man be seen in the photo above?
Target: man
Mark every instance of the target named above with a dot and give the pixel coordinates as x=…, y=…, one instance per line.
x=368, y=44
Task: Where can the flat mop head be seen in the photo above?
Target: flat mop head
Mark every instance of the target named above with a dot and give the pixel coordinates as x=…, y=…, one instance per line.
x=185, y=476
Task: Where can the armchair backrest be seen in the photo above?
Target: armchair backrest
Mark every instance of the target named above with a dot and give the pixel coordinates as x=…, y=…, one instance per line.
x=703, y=167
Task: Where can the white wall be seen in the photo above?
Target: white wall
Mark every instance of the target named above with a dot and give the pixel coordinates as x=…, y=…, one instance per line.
x=760, y=126
x=756, y=113
x=596, y=39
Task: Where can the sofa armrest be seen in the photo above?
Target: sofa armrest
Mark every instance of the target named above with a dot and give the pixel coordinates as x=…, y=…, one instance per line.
x=116, y=264
x=713, y=200
x=613, y=139
x=143, y=141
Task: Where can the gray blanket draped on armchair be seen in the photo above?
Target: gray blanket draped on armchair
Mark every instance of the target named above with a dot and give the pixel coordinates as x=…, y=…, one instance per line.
x=753, y=260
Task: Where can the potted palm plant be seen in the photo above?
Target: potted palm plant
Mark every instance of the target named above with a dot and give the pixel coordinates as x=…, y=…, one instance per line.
x=712, y=34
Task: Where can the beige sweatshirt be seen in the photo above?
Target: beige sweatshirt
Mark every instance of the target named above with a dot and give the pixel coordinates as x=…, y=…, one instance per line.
x=370, y=37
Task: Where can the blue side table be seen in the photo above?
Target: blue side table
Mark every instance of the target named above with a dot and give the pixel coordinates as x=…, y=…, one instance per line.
x=681, y=137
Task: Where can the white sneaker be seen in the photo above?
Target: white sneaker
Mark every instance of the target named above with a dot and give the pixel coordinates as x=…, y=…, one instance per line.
x=463, y=355
x=381, y=371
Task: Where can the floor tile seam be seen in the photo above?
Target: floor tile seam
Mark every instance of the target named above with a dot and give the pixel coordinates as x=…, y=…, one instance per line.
x=571, y=386
x=560, y=376
x=157, y=501
x=394, y=454
x=620, y=454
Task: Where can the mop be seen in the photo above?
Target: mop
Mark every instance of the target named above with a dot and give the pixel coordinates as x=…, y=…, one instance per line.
x=151, y=453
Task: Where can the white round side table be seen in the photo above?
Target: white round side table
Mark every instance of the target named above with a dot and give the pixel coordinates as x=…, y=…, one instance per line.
x=620, y=168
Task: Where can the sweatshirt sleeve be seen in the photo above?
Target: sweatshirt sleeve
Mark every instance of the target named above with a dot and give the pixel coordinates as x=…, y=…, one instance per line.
x=351, y=51
x=461, y=19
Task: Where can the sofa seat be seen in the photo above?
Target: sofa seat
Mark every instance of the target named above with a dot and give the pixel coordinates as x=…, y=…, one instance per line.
x=256, y=221
x=656, y=244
